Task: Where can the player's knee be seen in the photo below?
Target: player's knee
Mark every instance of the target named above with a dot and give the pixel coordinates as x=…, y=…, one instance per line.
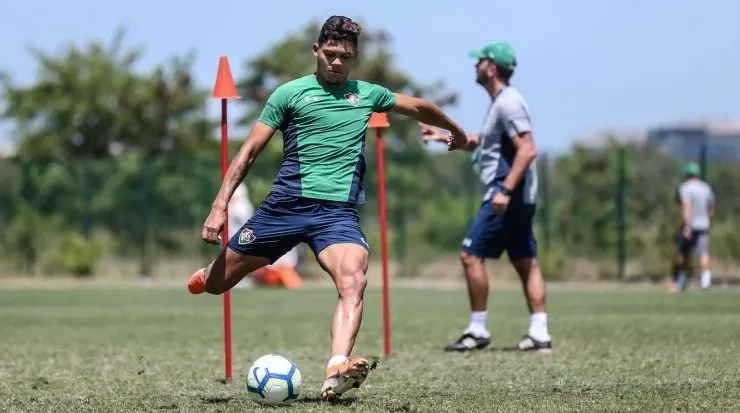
x=351, y=282
x=469, y=260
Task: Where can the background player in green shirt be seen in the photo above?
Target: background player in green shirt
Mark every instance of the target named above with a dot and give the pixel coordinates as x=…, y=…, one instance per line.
x=323, y=118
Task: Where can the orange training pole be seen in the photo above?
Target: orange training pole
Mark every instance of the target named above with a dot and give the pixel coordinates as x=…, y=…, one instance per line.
x=379, y=122
x=225, y=89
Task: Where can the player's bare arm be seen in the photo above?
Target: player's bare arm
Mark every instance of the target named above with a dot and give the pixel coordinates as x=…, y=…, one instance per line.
x=430, y=114
x=430, y=133
x=258, y=137
x=686, y=217
x=526, y=152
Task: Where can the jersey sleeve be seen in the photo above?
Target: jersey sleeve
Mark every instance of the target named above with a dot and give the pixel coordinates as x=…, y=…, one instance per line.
x=515, y=118
x=683, y=193
x=383, y=99
x=276, y=108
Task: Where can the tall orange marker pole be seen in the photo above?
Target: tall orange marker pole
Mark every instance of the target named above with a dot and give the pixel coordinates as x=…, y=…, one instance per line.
x=225, y=89
x=379, y=122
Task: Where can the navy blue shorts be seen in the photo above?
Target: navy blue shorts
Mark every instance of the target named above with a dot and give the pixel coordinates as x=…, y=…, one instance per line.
x=281, y=222
x=491, y=234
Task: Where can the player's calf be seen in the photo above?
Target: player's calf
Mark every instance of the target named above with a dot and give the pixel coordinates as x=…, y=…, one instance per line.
x=224, y=272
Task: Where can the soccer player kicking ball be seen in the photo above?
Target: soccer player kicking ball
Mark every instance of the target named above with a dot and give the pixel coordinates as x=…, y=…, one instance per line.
x=323, y=118
x=505, y=153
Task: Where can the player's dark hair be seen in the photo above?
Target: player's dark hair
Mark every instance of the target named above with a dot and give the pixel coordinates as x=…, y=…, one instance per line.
x=340, y=28
x=504, y=73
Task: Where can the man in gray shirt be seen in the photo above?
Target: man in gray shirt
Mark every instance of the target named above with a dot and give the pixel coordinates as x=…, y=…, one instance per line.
x=697, y=210
x=504, y=154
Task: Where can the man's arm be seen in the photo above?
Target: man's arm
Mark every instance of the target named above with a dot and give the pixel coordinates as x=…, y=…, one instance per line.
x=253, y=145
x=685, y=207
x=525, y=154
x=431, y=114
x=518, y=127
x=429, y=133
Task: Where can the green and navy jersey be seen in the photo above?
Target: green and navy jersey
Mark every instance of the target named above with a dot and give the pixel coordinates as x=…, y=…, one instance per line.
x=324, y=136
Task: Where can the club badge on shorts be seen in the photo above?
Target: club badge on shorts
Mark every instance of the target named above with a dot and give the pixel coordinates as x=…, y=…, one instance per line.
x=246, y=236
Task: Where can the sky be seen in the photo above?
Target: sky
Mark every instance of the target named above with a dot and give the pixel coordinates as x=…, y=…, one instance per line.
x=584, y=65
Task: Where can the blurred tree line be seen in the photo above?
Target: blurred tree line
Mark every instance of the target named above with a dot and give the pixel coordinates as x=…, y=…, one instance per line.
x=117, y=163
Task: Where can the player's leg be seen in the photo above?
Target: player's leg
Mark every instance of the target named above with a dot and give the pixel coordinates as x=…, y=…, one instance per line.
x=347, y=264
x=701, y=248
x=273, y=230
x=684, y=247
x=223, y=273
x=342, y=251
x=484, y=240
x=522, y=251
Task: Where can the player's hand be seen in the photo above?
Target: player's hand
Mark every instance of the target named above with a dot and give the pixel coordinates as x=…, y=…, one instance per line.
x=687, y=232
x=431, y=134
x=457, y=141
x=213, y=226
x=500, y=202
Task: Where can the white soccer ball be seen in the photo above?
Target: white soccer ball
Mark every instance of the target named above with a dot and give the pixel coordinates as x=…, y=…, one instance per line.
x=274, y=380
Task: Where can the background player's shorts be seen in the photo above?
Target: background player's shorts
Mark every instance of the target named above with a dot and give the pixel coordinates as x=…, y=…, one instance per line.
x=281, y=222
x=699, y=242
x=491, y=234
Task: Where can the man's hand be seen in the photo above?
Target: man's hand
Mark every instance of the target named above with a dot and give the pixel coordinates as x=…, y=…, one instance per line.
x=687, y=232
x=431, y=134
x=500, y=202
x=213, y=226
x=429, y=114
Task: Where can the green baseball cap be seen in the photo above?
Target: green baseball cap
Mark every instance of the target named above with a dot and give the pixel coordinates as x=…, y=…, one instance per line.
x=691, y=169
x=500, y=53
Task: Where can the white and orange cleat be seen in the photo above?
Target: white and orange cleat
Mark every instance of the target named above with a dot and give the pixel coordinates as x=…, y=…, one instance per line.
x=345, y=376
x=197, y=282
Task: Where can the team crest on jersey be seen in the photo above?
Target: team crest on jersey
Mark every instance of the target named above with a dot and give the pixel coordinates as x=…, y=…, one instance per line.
x=352, y=98
x=246, y=236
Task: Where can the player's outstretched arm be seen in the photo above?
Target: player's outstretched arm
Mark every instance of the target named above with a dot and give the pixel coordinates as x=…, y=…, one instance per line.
x=430, y=114
x=430, y=133
x=240, y=165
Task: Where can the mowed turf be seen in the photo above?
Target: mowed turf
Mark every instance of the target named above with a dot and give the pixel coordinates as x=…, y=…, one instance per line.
x=160, y=350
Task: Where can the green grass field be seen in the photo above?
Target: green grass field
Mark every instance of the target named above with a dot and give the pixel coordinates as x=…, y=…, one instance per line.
x=159, y=350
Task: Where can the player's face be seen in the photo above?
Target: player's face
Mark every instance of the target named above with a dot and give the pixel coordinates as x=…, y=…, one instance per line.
x=484, y=71
x=334, y=60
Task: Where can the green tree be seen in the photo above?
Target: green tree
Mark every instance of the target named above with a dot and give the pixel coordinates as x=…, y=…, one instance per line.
x=97, y=138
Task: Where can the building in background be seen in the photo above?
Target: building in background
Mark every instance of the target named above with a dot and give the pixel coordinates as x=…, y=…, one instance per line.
x=685, y=139
x=682, y=139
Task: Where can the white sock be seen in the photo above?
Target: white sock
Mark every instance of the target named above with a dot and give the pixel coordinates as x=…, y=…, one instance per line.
x=706, y=279
x=478, y=321
x=334, y=360
x=538, y=327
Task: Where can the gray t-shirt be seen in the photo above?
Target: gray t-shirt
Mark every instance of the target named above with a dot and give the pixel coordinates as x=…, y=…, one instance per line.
x=508, y=116
x=701, y=198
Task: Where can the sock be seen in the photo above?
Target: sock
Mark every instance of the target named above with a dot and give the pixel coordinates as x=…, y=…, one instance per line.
x=334, y=360
x=706, y=279
x=538, y=327
x=478, y=321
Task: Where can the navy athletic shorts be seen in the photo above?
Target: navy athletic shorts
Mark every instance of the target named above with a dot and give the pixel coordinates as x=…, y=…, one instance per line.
x=281, y=222
x=490, y=234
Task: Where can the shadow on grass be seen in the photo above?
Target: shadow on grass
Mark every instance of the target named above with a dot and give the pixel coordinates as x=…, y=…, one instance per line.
x=348, y=401
x=216, y=400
